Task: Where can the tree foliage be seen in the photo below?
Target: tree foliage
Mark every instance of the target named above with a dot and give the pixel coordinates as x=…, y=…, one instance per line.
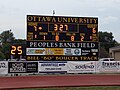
x=2, y=56
x=103, y=53
x=6, y=50
x=106, y=41
x=7, y=36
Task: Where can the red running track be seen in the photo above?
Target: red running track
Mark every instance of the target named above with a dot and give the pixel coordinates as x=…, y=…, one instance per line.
x=58, y=81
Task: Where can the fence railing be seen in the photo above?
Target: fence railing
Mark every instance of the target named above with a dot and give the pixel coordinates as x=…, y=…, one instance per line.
x=61, y=67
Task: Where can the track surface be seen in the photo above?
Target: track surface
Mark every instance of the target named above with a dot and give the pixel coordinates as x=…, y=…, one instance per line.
x=58, y=81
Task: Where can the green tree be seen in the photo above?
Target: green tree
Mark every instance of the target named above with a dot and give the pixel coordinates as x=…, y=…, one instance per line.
x=106, y=41
x=2, y=56
x=19, y=41
x=7, y=36
x=103, y=53
x=6, y=50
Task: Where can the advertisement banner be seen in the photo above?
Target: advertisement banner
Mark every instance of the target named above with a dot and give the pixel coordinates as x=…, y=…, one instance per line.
x=3, y=67
x=81, y=67
x=32, y=67
x=16, y=67
x=23, y=67
x=72, y=51
x=54, y=51
x=35, y=51
x=52, y=67
x=108, y=67
x=45, y=51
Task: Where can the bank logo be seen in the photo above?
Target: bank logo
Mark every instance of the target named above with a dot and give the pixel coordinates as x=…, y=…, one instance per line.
x=73, y=51
x=68, y=51
x=77, y=51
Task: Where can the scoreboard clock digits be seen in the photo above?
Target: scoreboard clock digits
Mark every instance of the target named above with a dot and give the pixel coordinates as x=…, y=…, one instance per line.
x=16, y=50
x=63, y=27
x=60, y=27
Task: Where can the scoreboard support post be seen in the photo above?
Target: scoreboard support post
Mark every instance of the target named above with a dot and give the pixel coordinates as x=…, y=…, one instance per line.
x=11, y=57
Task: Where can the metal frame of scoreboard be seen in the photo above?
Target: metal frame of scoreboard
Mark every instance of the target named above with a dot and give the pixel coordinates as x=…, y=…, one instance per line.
x=59, y=38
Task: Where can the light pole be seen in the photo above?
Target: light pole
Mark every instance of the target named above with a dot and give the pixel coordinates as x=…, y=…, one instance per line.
x=53, y=12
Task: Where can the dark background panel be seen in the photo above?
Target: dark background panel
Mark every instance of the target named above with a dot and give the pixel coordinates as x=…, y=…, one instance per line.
x=16, y=67
x=32, y=67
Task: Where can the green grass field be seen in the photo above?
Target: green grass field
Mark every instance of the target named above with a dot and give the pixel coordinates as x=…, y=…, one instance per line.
x=78, y=88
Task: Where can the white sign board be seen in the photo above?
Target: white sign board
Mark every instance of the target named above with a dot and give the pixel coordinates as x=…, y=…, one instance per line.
x=81, y=67
x=3, y=67
x=52, y=67
x=108, y=67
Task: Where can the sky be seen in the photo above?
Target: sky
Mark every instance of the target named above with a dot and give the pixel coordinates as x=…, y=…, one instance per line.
x=13, y=13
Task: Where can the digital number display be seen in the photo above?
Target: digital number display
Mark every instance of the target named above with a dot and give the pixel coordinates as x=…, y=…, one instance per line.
x=60, y=27
x=16, y=50
x=63, y=28
x=54, y=28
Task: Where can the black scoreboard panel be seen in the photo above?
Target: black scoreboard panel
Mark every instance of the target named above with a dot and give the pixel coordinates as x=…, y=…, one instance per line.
x=76, y=31
x=71, y=28
x=62, y=51
x=58, y=30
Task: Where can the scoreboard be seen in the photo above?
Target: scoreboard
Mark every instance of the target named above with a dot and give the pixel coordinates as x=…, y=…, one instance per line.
x=56, y=28
x=60, y=38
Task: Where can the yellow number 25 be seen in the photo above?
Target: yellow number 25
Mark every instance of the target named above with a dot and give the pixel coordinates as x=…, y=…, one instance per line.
x=16, y=48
